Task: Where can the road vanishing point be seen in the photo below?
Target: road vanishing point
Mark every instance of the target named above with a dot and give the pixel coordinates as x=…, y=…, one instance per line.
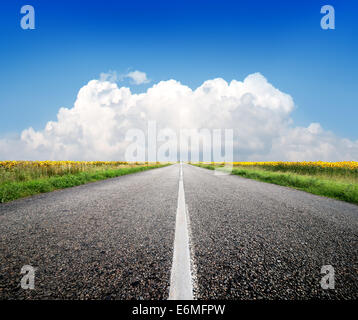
x=178, y=232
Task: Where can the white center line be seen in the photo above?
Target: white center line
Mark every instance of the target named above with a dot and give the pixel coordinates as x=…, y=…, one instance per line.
x=181, y=286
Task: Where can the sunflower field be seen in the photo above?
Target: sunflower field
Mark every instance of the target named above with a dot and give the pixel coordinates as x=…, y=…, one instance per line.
x=337, y=180
x=25, y=178
x=344, y=170
x=29, y=170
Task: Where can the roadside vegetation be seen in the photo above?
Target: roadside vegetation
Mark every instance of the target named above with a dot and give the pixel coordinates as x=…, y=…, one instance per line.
x=20, y=179
x=337, y=180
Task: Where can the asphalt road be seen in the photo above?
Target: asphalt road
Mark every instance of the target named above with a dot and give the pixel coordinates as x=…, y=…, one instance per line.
x=255, y=240
x=110, y=239
x=114, y=239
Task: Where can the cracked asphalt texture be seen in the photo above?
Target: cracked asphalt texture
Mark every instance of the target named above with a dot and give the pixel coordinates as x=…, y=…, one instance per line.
x=113, y=239
x=253, y=240
x=110, y=239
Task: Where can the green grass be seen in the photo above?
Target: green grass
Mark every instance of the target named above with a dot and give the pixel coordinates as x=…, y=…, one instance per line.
x=14, y=190
x=324, y=187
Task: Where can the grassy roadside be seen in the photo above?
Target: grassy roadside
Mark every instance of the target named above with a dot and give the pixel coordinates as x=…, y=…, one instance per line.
x=324, y=187
x=14, y=190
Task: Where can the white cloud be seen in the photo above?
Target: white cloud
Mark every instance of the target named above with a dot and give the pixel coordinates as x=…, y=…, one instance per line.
x=95, y=127
x=138, y=77
x=110, y=76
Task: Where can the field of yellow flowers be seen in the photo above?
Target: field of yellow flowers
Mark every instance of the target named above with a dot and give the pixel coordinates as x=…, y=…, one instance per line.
x=24, y=178
x=29, y=170
x=344, y=170
x=337, y=180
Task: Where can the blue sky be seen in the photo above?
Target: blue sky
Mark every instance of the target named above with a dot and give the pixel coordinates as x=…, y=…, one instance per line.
x=190, y=41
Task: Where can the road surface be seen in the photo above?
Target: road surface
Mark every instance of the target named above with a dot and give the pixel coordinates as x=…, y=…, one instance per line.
x=115, y=239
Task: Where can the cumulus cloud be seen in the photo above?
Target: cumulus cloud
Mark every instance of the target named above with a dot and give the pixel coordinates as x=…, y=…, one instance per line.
x=136, y=77
x=111, y=76
x=260, y=114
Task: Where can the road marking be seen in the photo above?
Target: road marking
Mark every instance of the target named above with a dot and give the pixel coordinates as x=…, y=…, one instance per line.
x=181, y=286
